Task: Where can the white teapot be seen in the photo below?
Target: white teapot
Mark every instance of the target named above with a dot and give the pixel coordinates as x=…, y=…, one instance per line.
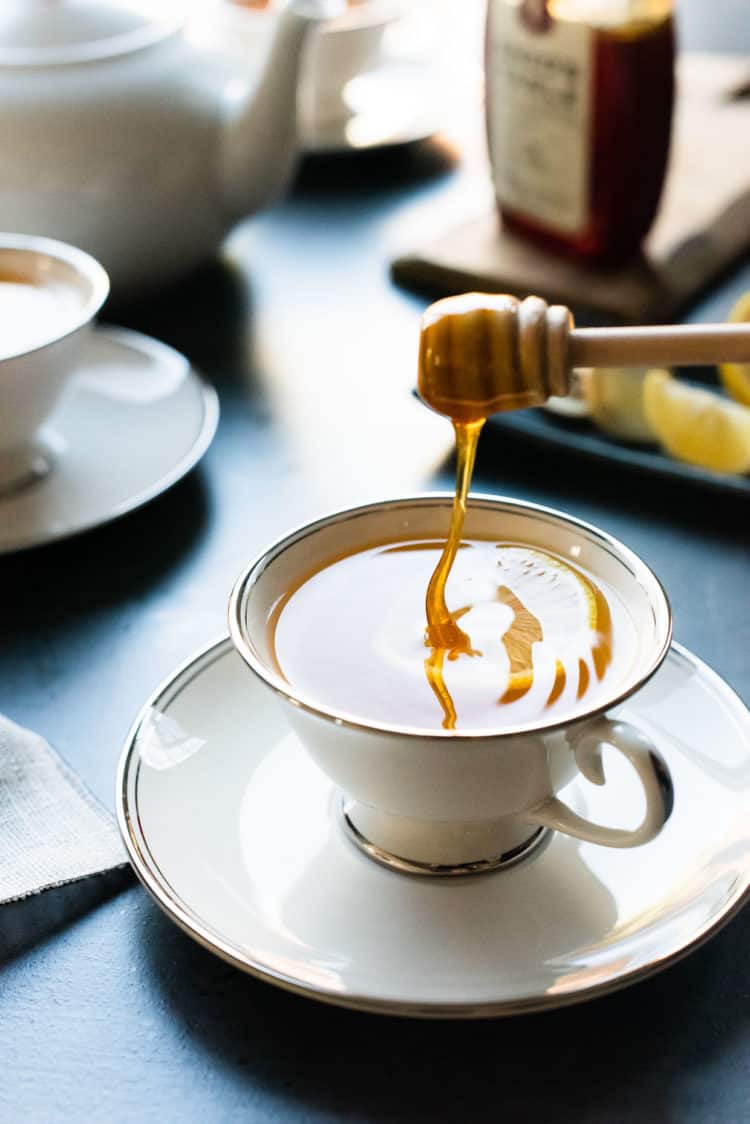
x=121, y=136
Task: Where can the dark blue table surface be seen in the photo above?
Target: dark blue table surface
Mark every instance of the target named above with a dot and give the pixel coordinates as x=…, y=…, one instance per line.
x=118, y=1016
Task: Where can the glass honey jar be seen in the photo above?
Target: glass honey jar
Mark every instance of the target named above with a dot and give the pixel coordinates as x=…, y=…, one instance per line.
x=579, y=98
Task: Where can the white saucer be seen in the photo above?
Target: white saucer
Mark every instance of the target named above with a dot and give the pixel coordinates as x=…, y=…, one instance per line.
x=234, y=831
x=399, y=102
x=135, y=419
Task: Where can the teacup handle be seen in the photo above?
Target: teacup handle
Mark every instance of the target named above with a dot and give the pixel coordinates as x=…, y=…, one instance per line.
x=648, y=764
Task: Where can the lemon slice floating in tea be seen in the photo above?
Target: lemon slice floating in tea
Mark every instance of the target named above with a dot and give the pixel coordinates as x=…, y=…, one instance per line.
x=736, y=376
x=552, y=602
x=696, y=425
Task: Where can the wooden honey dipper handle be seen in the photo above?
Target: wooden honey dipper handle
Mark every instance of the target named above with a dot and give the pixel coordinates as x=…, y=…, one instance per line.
x=659, y=346
x=481, y=353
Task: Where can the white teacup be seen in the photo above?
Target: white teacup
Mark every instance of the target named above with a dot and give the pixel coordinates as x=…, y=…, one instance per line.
x=345, y=47
x=451, y=802
x=350, y=45
x=49, y=294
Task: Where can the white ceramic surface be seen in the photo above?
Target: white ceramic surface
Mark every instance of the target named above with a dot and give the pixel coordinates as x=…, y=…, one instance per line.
x=133, y=143
x=370, y=78
x=446, y=799
x=71, y=287
x=349, y=46
x=133, y=421
x=344, y=48
x=235, y=832
x=397, y=102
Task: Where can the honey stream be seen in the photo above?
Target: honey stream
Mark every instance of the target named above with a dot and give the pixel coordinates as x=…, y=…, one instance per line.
x=444, y=636
x=447, y=640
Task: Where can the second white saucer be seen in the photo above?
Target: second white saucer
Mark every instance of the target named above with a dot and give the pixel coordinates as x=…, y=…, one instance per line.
x=134, y=420
x=399, y=102
x=236, y=833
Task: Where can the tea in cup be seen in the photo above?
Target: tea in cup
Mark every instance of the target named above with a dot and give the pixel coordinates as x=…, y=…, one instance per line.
x=49, y=294
x=461, y=771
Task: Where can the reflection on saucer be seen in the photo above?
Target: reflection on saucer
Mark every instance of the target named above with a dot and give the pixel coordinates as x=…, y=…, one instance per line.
x=134, y=373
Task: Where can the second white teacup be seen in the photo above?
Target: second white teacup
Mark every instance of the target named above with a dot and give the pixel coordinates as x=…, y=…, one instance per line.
x=49, y=294
x=345, y=47
x=448, y=801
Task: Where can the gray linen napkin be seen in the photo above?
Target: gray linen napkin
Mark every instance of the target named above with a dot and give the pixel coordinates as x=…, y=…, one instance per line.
x=53, y=833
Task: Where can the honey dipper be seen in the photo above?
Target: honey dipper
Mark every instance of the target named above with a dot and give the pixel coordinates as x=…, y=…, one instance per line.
x=481, y=353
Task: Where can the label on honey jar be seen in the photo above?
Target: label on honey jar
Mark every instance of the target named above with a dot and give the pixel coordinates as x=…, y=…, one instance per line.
x=538, y=109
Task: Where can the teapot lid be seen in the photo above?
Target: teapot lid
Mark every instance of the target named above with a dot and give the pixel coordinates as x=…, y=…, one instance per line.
x=45, y=32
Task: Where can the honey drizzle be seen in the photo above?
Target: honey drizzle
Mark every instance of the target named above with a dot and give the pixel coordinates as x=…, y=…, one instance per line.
x=442, y=630
x=601, y=652
x=525, y=631
x=444, y=636
x=559, y=685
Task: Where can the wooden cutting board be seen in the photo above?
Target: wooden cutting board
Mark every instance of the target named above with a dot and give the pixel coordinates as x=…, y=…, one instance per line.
x=703, y=224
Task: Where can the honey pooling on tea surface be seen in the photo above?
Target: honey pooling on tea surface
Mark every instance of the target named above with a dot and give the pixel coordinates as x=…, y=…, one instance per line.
x=482, y=354
x=349, y=631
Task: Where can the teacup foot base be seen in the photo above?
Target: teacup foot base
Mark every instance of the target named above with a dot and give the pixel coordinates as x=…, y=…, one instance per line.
x=440, y=870
x=23, y=468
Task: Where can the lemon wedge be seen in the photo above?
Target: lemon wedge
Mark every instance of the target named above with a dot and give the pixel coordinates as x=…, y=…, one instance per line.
x=615, y=399
x=539, y=587
x=736, y=376
x=696, y=425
